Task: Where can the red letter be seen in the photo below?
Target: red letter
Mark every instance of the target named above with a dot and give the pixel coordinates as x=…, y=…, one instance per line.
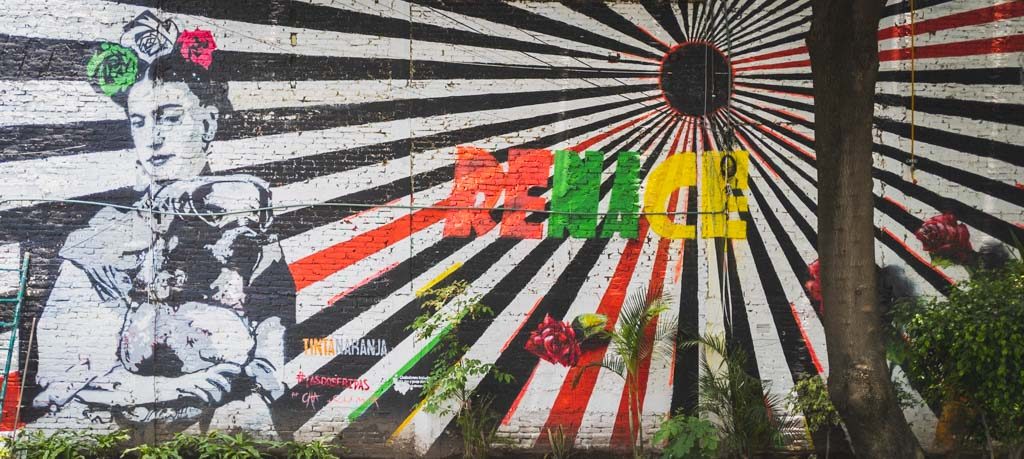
x=478, y=177
x=526, y=169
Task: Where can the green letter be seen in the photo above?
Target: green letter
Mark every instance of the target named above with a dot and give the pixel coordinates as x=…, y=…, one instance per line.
x=577, y=183
x=623, y=208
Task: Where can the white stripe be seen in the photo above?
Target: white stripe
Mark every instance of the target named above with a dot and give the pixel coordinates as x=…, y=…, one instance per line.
x=562, y=13
x=764, y=335
x=637, y=14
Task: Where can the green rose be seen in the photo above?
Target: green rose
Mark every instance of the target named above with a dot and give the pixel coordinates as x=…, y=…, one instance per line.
x=114, y=68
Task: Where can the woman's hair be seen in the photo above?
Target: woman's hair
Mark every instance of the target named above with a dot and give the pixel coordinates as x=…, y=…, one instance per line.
x=172, y=68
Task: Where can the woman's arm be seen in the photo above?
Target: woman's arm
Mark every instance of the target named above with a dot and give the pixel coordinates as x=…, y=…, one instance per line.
x=124, y=388
x=78, y=335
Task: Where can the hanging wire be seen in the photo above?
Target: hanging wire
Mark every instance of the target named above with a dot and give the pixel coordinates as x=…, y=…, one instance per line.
x=913, y=95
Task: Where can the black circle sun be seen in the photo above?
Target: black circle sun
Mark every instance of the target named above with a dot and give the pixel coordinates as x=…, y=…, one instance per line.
x=696, y=78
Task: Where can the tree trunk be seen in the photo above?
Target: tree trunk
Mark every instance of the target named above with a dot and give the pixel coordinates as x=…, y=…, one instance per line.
x=843, y=48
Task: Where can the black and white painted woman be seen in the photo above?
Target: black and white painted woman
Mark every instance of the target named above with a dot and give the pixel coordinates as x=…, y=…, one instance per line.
x=173, y=316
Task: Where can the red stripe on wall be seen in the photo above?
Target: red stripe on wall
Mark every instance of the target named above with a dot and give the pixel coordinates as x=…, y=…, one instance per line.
x=318, y=266
x=997, y=45
x=807, y=341
x=967, y=18
x=773, y=55
x=571, y=403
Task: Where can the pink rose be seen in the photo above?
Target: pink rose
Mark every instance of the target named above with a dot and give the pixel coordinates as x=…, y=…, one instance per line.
x=943, y=236
x=555, y=342
x=813, y=284
x=197, y=46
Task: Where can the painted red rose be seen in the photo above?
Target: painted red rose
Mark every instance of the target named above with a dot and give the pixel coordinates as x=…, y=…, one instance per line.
x=944, y=236
x=197, y=46
x=555, y=342
x=813, y=284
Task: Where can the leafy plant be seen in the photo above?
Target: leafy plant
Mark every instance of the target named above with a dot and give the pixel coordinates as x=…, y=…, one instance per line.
x=160, y=451
x=810, y=397
x=311, y=450
x=561, y=444
x=687, y=437
x=446, y=389
x=969, y=348
x=65, y=444
x=631, y=342
x=746, y=413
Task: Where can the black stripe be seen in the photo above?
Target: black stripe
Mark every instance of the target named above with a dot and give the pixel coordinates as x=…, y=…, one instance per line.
x=684, y=11
x=994, y=76
x=1006, y=113
x=797, y=38
x=786, y=240
x=735, y=24
x=36, y=141
x=607, y=16
x=927, y=273
x=23, y=58
x=904, y=6
x=990, y=224
x=986, y=148
x=794, y=347
x=782, y=88
x=961, y=177
x=687, y=369
x=37, y=58
x=502, y=13
x=309, y=16
x=738, y=334
x=662, y=12
x=777, y=101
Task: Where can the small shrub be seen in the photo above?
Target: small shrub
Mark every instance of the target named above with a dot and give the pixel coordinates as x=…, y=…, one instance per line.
x=446, y=390
x=969, y=348
x=311, y=450
x=66, y=444
x=748, y=416
x=161, y=451
x=561, y=445
x=810, y=397
x=687, y=437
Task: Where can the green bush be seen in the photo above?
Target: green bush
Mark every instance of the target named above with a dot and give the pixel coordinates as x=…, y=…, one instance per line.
x=969, y=347
x=66, y=444
x=687, y=437
x=810, y=397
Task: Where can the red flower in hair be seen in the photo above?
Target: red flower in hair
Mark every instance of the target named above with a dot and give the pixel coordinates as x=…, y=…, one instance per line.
x=197, y=46
x=944, y=236
x=555, y=342
x=813, y=284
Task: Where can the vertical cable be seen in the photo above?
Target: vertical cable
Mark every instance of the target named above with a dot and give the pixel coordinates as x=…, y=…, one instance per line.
x=913, y=96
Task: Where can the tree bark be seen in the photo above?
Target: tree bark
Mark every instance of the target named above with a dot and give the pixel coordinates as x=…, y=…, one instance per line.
x=843, y=48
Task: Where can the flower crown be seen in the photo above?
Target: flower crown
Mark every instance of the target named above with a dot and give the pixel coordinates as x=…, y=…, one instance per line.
x=117, y=66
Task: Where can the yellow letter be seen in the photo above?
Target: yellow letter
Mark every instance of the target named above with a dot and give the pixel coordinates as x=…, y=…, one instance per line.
x=677, y=171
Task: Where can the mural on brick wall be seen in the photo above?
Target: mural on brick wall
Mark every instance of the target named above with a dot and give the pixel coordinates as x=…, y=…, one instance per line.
x=233, y=206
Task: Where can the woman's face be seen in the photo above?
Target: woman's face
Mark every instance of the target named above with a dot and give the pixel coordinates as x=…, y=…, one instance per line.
x=171, y=129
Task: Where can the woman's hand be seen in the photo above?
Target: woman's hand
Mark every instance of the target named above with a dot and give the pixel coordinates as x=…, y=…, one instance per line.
x=210, y=385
